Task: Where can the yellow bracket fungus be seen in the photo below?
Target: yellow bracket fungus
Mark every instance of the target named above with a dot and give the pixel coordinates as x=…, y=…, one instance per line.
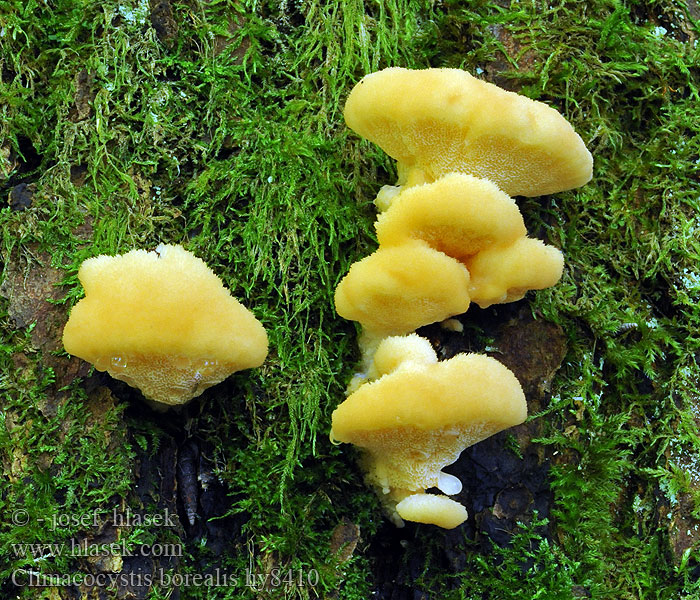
x=449, y=233
x=163, y=322
x=458, y=214
x=396, y=290
x=394, y=351
x=428, y=234
x=504, y=273
x=419, y=415
x=438, y=121
x=432, y=509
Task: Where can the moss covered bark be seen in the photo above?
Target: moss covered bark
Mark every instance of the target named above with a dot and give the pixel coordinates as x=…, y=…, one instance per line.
x=218, y=125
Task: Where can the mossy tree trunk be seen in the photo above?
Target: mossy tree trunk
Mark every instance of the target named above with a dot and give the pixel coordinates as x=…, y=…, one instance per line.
x=218, y=126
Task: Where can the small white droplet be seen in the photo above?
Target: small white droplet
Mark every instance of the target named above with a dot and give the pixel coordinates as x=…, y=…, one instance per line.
x=118, y=362
x=449, y=484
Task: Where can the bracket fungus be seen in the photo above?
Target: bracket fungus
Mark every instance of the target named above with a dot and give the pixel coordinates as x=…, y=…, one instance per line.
x=443, y=245
x=417, y=416
x=449, y=234
x=163, y=322
x=504, y=273
x=458, y=214
x=396, y=290
x=439, y=121
x=463, y=146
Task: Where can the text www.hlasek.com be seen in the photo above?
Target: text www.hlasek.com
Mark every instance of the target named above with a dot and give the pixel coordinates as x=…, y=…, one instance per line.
x=83, y=549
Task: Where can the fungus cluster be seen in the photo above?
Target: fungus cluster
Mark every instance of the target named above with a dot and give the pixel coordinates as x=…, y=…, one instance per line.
x=163, y=322
x=449, y=234
x=415, y=415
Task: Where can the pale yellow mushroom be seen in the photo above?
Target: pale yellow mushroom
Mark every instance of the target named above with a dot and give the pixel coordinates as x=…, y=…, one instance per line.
x=438, y=121
x=401, y=350
x=505, y=273
x=163, y=322
x=382, y=355
x=433, y=509
x=396, y=290
x=458, y=214
x=416, y=419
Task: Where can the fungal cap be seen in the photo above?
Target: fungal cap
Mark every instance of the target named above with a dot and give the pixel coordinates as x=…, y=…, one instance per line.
x=163, y=322
x=432, y=509
x=505, y=273
x=443, y=120
x=417, y=419
x=458, y=214
x=469, y=390
x=396, y=290
x=394, y=351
